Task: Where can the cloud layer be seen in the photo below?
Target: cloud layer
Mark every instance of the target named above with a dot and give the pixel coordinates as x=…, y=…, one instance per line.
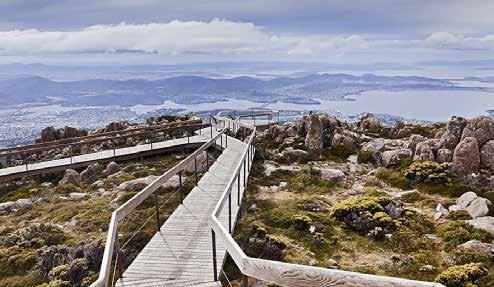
x=220, y=37
x=176, y=37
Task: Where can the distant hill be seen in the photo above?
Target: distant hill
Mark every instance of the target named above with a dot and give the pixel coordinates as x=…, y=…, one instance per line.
x=195, y=89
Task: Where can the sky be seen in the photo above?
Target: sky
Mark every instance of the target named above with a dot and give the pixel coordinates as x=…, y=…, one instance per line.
x=187, y=31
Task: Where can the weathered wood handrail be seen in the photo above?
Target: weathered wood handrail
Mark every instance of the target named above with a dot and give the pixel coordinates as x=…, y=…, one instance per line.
x=286, y=274
x=120, y=213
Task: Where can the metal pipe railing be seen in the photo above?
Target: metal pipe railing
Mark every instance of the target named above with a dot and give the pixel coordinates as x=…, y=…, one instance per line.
x=285, y=274
x=124, y=210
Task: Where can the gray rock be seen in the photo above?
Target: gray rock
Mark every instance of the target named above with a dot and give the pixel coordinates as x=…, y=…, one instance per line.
x=481, y=128
x=485, y=223
x=452, y=136
x=479, y=207
x=454, y=207
x=441, y=211
x=111, y=168
x=375, y=148
x=71, y=177
x=90, y=172
x=394, y=157
x=333, y=174
x=478, y=247
x=465, y=199
x=313, y=139
x=140, y=183
x=6, y=207
x=369, y=123
x=23, y=203
x=466, y=158
x=444, y=155
x=414, y=140
x=487, y=155
x=424, y=151
x=77, y=195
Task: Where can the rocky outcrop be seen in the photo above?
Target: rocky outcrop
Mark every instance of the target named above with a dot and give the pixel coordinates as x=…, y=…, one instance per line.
x=313, y=139
x=480, y=128
x=474, y=205
x=374, y=148
x=70, y=177
x=444, y=155
x=466, y=157
x=487, y=155
x=345, y=139
x=116, y=126
x=452, y=136
x=395, y=157
x=52, y=134
x=477, y=247
x=111, y=168
x=369, y=123
x=414, y=140
x=90, y=172
x=424, y=151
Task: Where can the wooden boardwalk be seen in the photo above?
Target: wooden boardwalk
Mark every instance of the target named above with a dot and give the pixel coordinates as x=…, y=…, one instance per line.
x=86, y=159
x=181, y=253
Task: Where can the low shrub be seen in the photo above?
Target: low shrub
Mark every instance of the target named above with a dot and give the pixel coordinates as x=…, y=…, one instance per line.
x=455, y=233
x=301, y=222
x=365, y=156
x=372, y=215
x=459, y=215
x=393, y=178
x=462, y=276
x=428, y=172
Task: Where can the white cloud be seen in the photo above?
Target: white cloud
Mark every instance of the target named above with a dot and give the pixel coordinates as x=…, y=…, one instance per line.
x=447, y=40
x=176, y=37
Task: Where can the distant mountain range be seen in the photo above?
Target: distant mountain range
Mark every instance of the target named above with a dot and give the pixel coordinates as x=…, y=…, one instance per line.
x=26, y=89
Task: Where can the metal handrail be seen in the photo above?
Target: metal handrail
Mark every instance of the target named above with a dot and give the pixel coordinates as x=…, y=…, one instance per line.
x=124, y=210
x=285, y=274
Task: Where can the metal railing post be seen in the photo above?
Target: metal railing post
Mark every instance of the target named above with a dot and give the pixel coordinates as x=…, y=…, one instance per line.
x=158, y=224
x=119, y=262
x=180, y=187
x=215, y=267
x=226, y=141
x=207, y=159
x=244, y=172
x=230, y=211
x=238, y=188
x=195, y=169
x=221, y=141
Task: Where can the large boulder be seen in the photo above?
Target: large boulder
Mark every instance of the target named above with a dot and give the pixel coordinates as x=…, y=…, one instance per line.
x=332, y=174
x=116, y=126
x=479, y=207
x=111, y=168
x=481, y=128
x=345, y=139
x=424, y=151
x=444, y=155
x=313, y=139
x=414, y=140
x=465, y=199
x=90, y=172
x=395, y=157
x=49, y=134
x=487, y=155
x=453, y=133
x=477, y=247
x=485, y=223
x=466, y=158
x=369, y=123
x=374, y=147
x=71, y=177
